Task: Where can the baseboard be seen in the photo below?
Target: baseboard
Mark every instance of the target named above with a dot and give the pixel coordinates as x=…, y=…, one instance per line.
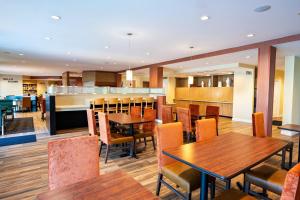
x=241, y=120
x=288, y=133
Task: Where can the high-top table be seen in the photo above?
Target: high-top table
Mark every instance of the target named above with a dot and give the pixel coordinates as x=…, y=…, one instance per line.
x=114, y=185
x=295, y=128
x=226, y=156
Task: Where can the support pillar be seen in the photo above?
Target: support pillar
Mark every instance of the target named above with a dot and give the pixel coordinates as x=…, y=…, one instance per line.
x=156, y=77
x=66, y=79
x=265, y=84
x=119, y=80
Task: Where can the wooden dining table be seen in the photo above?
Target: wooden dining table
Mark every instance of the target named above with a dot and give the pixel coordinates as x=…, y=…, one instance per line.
x=127, y=119
x=295, y=128
x=226, y=156
x=113, y=185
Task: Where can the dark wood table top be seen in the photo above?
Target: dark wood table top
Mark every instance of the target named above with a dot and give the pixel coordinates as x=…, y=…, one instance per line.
x=290, y=127
x=125, y=119
x=227, y=155
x=115, y=185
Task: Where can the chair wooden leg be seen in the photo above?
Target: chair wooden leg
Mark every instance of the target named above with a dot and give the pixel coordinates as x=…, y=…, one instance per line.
x=145, y=141
x=107, y=152
x=212, y=190
x=189, y=196
x=153, y=142
x=291, y=155
x=100, y=148
x=158, y=186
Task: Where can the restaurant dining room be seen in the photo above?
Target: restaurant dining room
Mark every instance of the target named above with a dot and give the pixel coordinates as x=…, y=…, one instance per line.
x=137, y=99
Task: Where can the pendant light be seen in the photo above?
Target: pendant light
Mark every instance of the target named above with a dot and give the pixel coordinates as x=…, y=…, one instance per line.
x=129, y=72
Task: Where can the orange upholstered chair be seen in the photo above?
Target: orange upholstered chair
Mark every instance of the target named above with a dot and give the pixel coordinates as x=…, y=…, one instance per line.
x=148, y=128
x=108, y=138
x=92, y=122
x=170, y=136
x=72, y=160
x=213, y=112
x=167, y=114
x=136, y=112
x=184, y=116
x=195, y=113
x=290, y=188
x=205, y=129
x=258, y=124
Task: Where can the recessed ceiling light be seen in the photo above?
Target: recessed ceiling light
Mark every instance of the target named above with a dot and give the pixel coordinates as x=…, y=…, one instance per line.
x=23, y=61
x=74, y=59
x=106, y=47
x=68, y=53
x=148, y=54
x=67, y=65
x=250, y=35
x=108, y=57
x=115, y=63
x=207, y=63
x=262, y=8
x=21, y=54
x=204, y=18
x=142, y=61
x=55, y=17
x=248, y=57
x=47, y=38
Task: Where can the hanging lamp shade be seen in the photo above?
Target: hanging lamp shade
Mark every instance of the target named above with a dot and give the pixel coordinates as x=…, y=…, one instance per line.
x=129, y=75
x=190, y=80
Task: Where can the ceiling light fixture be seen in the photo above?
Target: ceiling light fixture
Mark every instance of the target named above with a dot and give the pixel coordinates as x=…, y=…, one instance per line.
x=47, y=38
x=68, y=53
x=55, y=17
x=250, y=35
x=21, y=54
x=67, y=65
x=106, y=47
x=248, y=57
x=204, y=18
x=148, y=54
x=262, y=8
x=129, y=72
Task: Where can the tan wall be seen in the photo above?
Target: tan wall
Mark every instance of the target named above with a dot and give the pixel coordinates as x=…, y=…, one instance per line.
x=279, y=76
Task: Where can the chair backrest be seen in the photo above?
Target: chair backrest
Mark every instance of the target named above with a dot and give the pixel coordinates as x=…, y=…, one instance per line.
x=125, y=100
x=213, y=112
x=104, y=128
x=168, y=136
x=43, y=106
x=113, y=101
x=149, y=99
x=291, y=187
x=138, y=99
x=135, y=111
x=6, y=104
x=258, y=124
x=149, y=114
x=26, y=102
x=206, y=129
x=167, y=114
x=184, y=116
x=98, y=103
x=91, y=122
x=194, y=109
x=72, y=160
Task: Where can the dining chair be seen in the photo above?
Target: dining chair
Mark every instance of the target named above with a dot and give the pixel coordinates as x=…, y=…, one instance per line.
x=290, y=188
x=98, y=104
x=26, y=104
x=170, y=136
x=213, y=112
x=195, y=112
x=205, y=129
x=184, y=116
x=72, y=160
x=92, y=122
x=167, y=114
x=138, y=101
x=258, y=128
x=108, y=138
x=125, y=105
x=112, y=105
x=149, y=102
x=148, y=128
x=43, y=109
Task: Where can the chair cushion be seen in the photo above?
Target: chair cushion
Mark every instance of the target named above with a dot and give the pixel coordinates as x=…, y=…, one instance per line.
x=184, y=176
x=267, y=177
x=118, y=139
x=233, y=194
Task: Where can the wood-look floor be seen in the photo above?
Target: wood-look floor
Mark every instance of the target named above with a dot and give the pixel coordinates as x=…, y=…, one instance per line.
x=23, y=168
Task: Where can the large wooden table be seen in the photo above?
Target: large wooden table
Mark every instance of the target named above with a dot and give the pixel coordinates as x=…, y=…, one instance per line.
x=226, y=156
x=115, y=185
x=295, y=128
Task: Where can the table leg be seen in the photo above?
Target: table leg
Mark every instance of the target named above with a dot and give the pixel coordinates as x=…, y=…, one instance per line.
x=283, y=158
x=131, y=132
x=204, y=187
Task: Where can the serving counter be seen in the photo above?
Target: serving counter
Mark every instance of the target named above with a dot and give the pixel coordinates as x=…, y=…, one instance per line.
x=206, y=96
x=66, y=106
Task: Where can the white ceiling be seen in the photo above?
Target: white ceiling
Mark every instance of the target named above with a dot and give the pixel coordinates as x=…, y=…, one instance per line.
x=165, y=29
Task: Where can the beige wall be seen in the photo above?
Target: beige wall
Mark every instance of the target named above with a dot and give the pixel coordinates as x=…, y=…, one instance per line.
x=11, y=85
x=169, y=87
x=279, y=76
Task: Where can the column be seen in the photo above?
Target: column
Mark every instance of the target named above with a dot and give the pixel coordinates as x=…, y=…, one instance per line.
x=265, y=84
x=291, y=105
x=66, y=79
x=156, y=77
x=119, y=80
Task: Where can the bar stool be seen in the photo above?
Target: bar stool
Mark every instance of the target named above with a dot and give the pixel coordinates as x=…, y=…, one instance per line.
x=149, y=102
x=125, y=105
x=112, y=105
x=98, y=104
